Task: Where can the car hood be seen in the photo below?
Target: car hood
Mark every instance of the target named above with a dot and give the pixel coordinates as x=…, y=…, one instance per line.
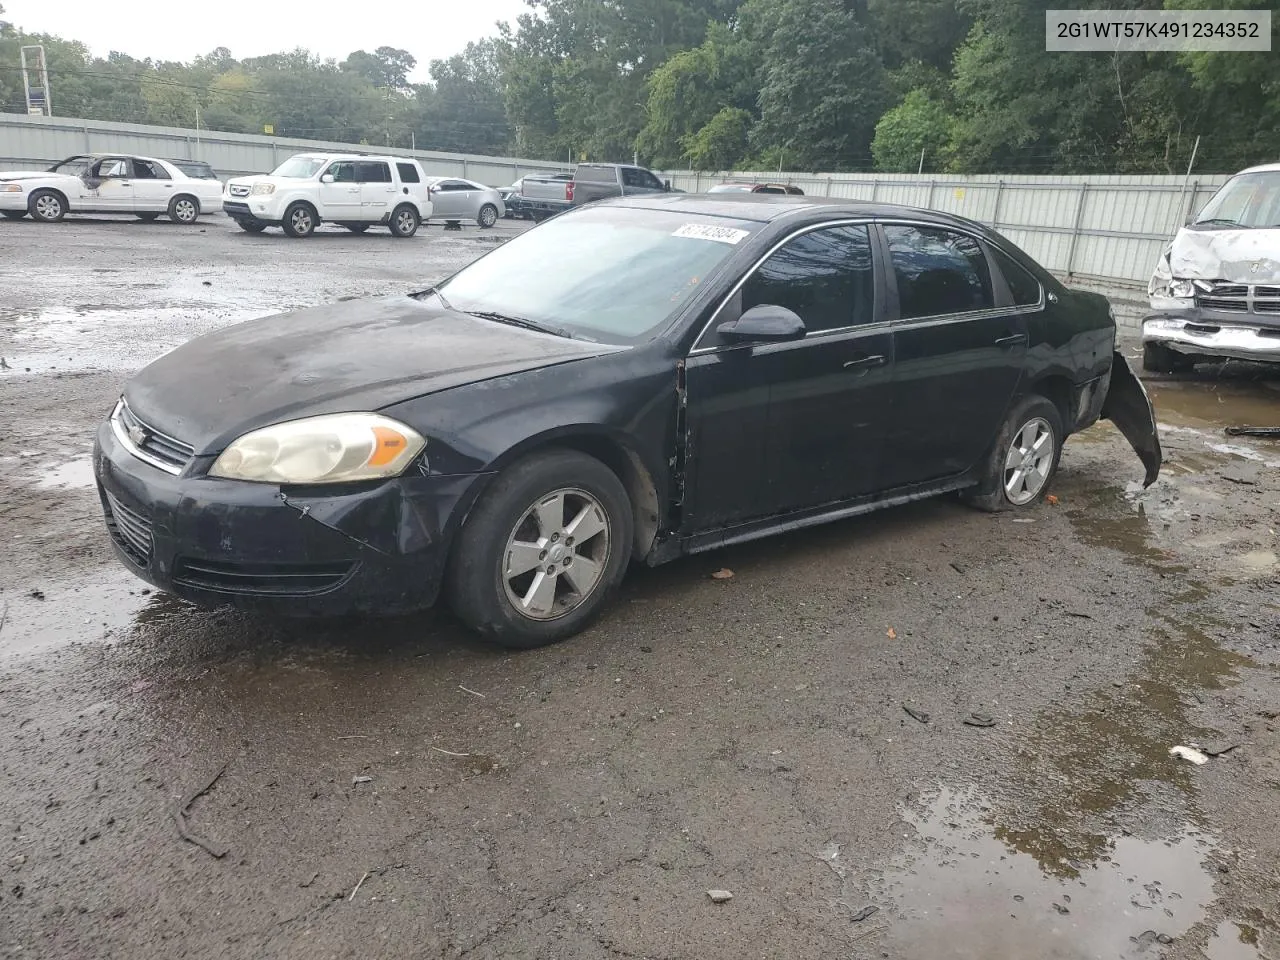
x=33, y=175
x=357, y=355
x=1236, y=256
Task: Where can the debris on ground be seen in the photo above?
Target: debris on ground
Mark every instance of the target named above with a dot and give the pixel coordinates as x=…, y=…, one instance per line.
x=356, y=780
x=1051, y=500
x=358, y=886
x=1189, y=753
x=474, y=693
x=860, y=915
x=314, y=877
x=892, y=634
x=724, y=573
x=720, y=896
x=37, y=594
x=979, y=720
x=915, y=714
x=957, y=568
x=215, y=850
x=1252, y=431
x=1218, y=750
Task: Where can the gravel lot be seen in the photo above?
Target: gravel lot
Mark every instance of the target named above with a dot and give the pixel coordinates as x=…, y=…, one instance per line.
x=395, y=789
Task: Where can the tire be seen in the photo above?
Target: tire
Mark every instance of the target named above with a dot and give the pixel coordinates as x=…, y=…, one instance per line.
x=184, y=209
x=487, y=216
x=1004, y=484
x=147, y=217
x=300, y=220
x=356, y=227
x=47, y=206
x=404, y=221
x=250, y=226
x=477, y=586
x=1157, y=358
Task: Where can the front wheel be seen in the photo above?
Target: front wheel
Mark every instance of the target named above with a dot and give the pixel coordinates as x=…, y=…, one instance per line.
x=488, y=216
x=47, y=206
x=184, y=210
x=1024, y=458
x=299, y=220
x=404, y=221
x=543, y=551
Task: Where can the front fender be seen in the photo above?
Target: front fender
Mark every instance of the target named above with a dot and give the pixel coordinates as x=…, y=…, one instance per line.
x=1129, y=407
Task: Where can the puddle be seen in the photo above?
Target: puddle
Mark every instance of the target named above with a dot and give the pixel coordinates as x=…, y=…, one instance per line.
x=965, y=892
x=1234, y=940
x=75, y=475
x=1217, y=403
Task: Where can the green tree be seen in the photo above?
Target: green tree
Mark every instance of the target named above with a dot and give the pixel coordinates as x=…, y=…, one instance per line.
x=463, y=108
x=387, y=68
x=919, y=123
x=721, y=142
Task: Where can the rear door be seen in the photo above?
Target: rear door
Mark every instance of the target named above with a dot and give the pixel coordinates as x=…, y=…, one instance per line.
x=340, y=200
x=377, y=191
x=152, y=186
x=959, y=352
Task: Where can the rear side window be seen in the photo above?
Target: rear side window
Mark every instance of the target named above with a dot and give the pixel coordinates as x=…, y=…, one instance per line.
x=1024, y=287
x=589, y=174
x=408, y=173
x=938, y=271
x=368, y=171
x=824, y=276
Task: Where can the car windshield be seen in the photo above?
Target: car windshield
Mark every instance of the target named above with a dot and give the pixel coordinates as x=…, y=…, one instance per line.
x=1248, y=200
x=72, y=167
x=609, y=274
x=730, y=188
x=299, y=168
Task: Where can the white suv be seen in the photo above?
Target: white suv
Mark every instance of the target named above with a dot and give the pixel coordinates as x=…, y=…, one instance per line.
x=347, y=189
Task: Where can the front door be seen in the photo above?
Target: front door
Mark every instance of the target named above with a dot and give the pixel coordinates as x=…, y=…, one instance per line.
x=783, y=426
x=110, y=188
x=152, y=186
x=340, y=200
x=959, y=355
x=448, y=199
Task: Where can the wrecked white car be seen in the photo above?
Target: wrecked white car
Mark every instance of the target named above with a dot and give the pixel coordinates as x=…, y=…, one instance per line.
x=1215, y=293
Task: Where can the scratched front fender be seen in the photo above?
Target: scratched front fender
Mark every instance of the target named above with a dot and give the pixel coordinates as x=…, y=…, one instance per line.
x=1129, y=407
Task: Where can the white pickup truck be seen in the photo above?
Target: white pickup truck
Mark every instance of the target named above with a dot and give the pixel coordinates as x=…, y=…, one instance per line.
x=352, y=191
x=108, y=183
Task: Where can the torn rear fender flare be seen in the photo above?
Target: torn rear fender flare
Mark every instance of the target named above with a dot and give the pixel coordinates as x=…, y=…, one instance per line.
x=1129, y=407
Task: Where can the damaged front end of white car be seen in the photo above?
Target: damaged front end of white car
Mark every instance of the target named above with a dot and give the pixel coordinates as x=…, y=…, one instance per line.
x=1215, y=293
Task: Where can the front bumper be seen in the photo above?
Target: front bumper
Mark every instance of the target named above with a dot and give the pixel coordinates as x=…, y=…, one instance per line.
x=13, y=201
x=373, y=549
x=248, y=208
x=1236, y=339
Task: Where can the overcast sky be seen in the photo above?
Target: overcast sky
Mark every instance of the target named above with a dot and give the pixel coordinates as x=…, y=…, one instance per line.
x=429, y=29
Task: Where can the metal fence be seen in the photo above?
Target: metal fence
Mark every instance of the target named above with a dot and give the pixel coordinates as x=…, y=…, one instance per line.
x=1086, y=229
x=29, y=141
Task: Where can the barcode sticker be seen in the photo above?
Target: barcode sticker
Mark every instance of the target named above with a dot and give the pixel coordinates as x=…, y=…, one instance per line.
x=705, y=231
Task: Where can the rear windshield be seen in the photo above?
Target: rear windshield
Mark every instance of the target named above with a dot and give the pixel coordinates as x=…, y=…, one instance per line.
x=300, y=168
x=1247, y=200
x=591, y=174
x=615, y=275
x=197, y=171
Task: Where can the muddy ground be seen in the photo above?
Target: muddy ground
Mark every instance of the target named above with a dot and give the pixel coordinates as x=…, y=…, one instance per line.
x=399, y=790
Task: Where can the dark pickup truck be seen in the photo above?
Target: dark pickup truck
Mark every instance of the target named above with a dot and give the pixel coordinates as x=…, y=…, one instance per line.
x=546, y=196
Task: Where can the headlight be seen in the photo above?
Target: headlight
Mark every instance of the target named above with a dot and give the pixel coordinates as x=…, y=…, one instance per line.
x=337, y=448
x=10, y=188
x=262, y=189
x=1181, y=289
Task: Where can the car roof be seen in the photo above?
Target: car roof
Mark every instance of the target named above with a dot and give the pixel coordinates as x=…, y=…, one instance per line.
x=1261, y=168
x=355, y=156
x=768, y=207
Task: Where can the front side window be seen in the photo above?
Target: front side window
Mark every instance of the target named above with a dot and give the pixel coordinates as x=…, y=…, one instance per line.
x=825, y=276
x=939, y=271
x=342, y=171
x=299, y=168
x=611, y=274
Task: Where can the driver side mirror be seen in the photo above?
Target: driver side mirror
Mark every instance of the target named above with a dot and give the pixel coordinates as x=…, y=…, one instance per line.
x=327, y=178
x=765, y=323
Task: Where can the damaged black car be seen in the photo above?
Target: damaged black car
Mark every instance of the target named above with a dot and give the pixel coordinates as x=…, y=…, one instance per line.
x=632, y=381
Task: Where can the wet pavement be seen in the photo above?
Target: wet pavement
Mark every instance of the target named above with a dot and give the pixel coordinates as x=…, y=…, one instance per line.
x=397, y=789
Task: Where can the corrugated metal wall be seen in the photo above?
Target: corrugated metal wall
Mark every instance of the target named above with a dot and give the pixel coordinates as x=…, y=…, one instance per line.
x=1105, y=227
x=41, y=141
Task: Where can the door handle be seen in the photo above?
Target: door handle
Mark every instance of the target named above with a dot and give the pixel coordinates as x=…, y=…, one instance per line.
x=866, y=363
x=1005, y=343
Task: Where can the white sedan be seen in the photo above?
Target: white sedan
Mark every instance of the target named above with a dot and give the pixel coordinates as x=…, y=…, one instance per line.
x=453, y=198
x=108, y=183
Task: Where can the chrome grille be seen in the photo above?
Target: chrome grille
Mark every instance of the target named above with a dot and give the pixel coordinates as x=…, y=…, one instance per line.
x=1240, y=298
x=130, y=529
x=147, y=443
x=238, y=190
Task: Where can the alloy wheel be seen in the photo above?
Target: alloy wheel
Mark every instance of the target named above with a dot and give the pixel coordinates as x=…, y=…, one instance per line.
x=1028, y=462
x=556, y=555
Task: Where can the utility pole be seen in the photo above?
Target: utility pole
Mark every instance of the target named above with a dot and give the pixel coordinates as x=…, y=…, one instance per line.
x=197, y=156
x=920, y=169
x=35, y=80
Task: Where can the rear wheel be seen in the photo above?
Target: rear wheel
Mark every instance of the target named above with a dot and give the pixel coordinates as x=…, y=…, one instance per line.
x=404, y=221
x=299, y=220
x=1023, y=459
x=1157, y=358
x=543, y=551
x=184, y=209
x=48, y=206
x=147, y=217
x=488, y=216
x=14, y=214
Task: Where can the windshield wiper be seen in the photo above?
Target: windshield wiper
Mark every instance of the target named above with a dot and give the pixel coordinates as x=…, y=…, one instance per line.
x=1218, y=222
x=519, y=322
x=432, y=292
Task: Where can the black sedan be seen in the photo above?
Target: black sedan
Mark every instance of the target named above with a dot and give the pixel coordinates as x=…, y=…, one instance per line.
x=632, y=381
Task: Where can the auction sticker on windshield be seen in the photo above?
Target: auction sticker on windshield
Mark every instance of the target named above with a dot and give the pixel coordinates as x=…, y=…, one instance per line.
x=705, y=231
